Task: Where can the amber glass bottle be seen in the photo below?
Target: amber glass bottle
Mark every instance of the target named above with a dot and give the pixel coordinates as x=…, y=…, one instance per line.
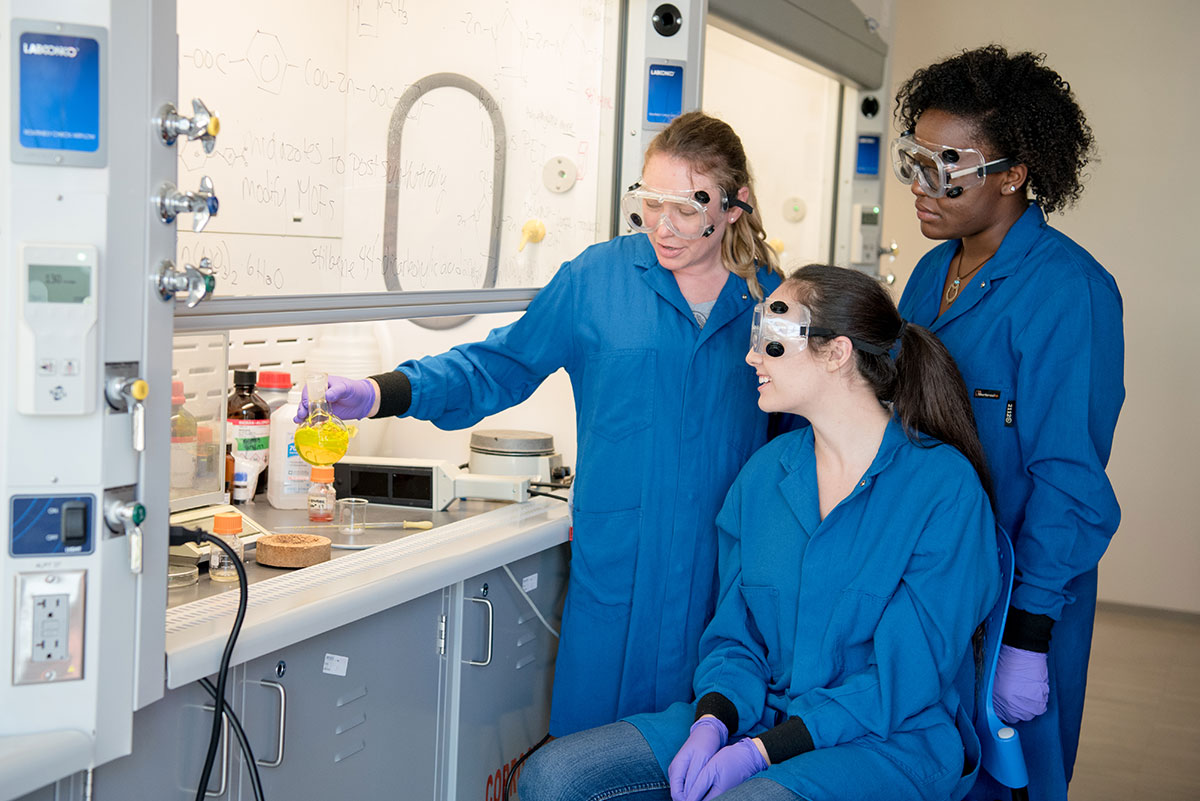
x=248, y=425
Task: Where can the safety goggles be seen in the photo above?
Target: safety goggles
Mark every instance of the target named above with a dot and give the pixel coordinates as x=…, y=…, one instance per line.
x=684, y=214
x=942, y=171
x=776, y=325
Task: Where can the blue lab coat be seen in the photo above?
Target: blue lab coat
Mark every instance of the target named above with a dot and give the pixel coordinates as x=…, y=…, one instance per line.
x=666, y=415
x=1038, y=337
x=858, y=623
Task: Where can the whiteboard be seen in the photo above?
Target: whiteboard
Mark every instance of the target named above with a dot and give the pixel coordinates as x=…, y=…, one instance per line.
x=307, y=94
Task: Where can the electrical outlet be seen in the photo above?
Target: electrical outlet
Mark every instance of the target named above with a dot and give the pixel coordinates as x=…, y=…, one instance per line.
x=48, y=633
x=51, y=627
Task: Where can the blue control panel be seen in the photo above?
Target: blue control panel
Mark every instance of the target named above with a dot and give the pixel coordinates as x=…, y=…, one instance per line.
x=664, y=93
x=51, y=524
x=60, y=92
x=866, y=162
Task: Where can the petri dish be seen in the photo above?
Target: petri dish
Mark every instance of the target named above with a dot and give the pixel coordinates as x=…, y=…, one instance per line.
x=179, y=575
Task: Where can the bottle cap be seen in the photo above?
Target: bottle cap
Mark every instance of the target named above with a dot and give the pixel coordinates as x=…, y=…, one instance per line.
x=227, y=523
x=177, y=396
x=204, y=434
x=323, y=472
x=241, y=377
x=275, y=379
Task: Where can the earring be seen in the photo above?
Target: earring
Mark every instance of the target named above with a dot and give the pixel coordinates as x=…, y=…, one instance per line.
x=1012, y=189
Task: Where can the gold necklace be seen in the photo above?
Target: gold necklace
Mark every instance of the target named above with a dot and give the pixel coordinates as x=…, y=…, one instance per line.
x=952, y=290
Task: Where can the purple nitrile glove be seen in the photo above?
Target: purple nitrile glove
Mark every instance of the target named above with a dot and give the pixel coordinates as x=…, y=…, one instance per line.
x=1022, y=684
x=707, y=737
x=349, y=398
x=728, y=768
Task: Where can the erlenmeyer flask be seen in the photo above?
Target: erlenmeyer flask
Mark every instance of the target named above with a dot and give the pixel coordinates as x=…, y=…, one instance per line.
x=322, y=438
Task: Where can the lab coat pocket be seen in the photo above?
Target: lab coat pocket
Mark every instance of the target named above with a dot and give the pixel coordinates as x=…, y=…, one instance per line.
x=762, y=603
x=994, y=404
x=850, y=637
x=603, y=561
x=620, y=386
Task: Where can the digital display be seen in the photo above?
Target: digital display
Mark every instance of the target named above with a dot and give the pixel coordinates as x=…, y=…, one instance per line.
x=59, y=283
x=664, y=94
x=59, y=92
x=870, y=217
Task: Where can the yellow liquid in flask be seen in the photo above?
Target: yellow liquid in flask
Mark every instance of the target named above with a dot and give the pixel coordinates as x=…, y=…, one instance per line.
x=323, y=443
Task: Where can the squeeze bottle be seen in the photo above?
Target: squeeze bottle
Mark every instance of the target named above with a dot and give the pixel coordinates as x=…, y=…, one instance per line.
x=287, y=483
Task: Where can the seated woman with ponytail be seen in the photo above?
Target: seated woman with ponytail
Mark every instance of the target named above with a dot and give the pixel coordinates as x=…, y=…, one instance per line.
x=857, y=556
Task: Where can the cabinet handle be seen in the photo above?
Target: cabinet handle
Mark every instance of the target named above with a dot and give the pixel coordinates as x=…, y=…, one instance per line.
x=224, y=754
x=278, y=760
x=491, y=619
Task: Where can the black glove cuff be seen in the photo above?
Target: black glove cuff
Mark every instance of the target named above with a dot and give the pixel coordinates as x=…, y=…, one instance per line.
x=788, y=739
x=1027, y=631
x=721, y=708
x=395, y=394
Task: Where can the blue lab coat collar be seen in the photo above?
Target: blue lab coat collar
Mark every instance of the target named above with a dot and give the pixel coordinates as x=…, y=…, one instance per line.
x=1010, y=258
x=735, y=295
x=799, y=484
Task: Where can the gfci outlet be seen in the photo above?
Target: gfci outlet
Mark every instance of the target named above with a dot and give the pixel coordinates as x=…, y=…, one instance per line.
x=50, y=627
x=48, y=637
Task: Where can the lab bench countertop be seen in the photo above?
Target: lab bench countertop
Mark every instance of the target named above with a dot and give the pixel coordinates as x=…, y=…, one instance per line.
x=367, y=573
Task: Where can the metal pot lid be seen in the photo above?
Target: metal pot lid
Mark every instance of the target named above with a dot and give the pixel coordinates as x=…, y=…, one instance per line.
x=512, y=442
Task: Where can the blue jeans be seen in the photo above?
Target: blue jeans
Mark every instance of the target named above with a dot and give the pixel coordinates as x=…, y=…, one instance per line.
x=614, y=763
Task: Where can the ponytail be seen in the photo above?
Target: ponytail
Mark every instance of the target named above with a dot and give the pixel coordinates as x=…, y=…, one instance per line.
x=921, y=382
x=931, y=397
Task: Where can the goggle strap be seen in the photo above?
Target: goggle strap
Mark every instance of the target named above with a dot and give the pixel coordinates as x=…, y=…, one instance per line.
x=865, y=347
x=746, y=207
x=990, y=168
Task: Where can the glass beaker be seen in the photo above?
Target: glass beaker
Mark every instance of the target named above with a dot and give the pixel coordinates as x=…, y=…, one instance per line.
x=352, y=515
x=322, y=438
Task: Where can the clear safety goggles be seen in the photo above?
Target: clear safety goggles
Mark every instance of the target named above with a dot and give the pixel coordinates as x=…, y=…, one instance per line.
x=684, y=214
x=940, y=170
x=779, y=328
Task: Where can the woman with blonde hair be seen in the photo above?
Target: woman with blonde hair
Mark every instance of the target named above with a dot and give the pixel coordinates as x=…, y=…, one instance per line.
x=651, y=329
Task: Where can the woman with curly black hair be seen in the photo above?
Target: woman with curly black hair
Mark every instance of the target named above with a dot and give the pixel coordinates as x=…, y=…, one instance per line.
x=992, y=143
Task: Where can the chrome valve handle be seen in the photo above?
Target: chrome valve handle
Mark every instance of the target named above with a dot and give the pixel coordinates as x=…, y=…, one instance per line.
x=127, y=517
x=197, y=282
x=127, y=394
x=201, y=204
x=203, y=124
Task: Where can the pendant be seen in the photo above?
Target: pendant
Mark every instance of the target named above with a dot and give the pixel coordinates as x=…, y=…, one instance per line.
x=952, y=291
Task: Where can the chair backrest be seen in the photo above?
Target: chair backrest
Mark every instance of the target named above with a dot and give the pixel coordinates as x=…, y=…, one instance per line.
x=1001, y=745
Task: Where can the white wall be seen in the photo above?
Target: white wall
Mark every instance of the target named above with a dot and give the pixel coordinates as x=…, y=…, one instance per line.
x=1133, y=67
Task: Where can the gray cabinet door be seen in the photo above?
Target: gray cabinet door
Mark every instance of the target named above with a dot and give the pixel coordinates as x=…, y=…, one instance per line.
x=361, y=709
x=503, y=706
x=170, y=739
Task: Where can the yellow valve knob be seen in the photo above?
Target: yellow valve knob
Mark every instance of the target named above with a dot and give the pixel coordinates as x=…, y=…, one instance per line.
x=139, y=390
x=532, y=231
x=776, y=245
x=214, y=126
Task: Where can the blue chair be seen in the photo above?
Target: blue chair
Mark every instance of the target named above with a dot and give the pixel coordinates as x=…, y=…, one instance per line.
x=1002, y=757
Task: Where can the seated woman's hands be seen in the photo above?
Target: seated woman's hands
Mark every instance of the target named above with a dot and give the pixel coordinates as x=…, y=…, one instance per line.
x=728, y=768
x=707, y=736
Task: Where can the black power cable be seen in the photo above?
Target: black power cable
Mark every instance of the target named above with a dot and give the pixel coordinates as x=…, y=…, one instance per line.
x=179, y=536
x=243, y=743
x=517, y=765
x=548, y=495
